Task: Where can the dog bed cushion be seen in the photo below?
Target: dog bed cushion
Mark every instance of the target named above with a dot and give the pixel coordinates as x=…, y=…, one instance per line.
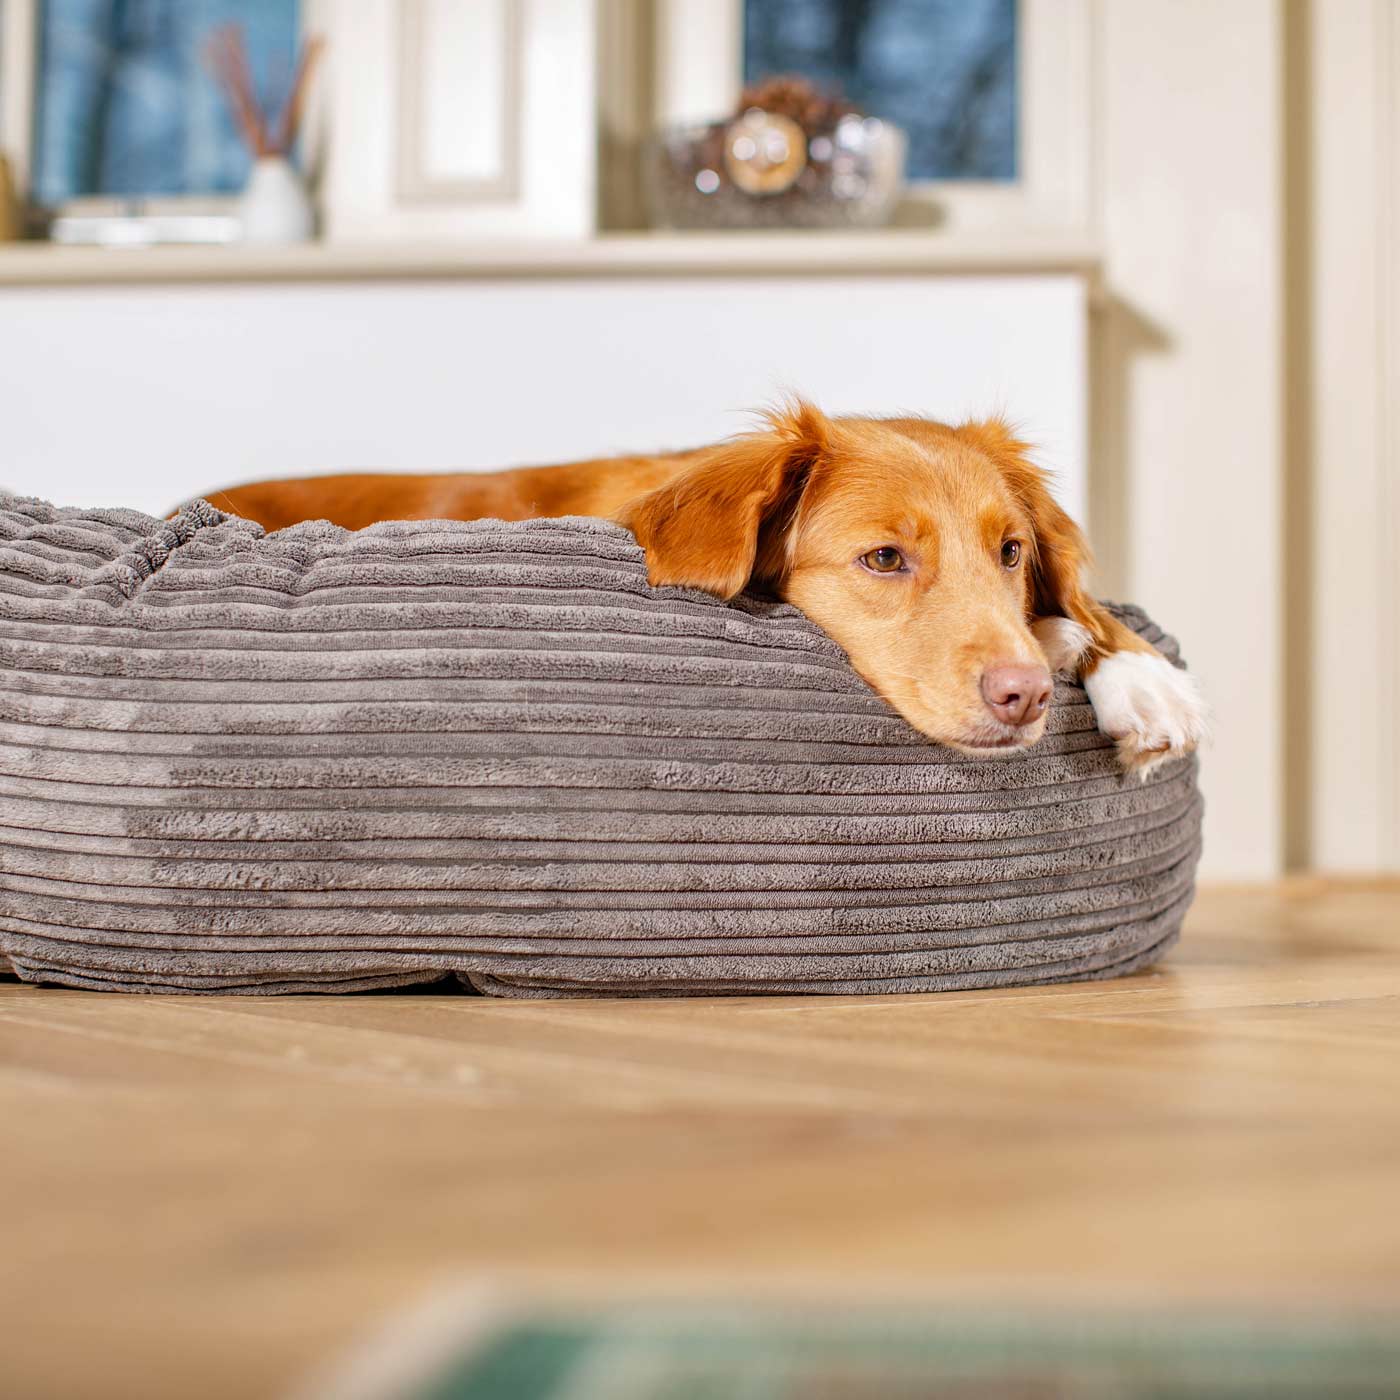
x=319, y=760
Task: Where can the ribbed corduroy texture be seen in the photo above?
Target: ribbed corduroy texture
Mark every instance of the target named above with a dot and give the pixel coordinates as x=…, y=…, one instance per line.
x=324, y=761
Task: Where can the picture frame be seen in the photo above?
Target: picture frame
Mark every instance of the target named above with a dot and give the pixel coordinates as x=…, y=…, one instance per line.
x=699, y=75
x=202, y=217
x=419, y=154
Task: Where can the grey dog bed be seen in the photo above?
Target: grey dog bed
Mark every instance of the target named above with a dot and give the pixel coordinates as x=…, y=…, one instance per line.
x=326, y=761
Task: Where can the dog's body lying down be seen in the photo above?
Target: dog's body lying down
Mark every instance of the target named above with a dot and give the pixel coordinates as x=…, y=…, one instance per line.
x=934, y=555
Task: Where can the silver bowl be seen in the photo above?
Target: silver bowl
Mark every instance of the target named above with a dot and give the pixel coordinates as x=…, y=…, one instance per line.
x=763, y=171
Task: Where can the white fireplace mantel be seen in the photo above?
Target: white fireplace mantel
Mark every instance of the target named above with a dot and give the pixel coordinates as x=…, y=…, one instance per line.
x=143, y=377
x=883, y=251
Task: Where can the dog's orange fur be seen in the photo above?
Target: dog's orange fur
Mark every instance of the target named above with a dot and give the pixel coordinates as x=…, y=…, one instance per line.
x=598, y=488
x=794, y=509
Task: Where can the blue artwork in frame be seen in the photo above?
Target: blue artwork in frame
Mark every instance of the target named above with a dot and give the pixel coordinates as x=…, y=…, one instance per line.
x=126, y=105
x=944, y=70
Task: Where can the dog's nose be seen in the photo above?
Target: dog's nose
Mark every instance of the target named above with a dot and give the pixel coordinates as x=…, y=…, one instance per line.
x=1017, y=695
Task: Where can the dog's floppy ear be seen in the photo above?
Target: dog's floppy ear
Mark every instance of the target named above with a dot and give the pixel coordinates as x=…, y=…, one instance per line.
x=1059, y=552
x=721, y=523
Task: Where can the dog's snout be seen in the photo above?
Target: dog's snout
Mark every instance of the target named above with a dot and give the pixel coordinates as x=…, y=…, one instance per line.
x=1017, y=695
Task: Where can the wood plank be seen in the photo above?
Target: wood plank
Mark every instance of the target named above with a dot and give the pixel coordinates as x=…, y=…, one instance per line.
x=217, y=1194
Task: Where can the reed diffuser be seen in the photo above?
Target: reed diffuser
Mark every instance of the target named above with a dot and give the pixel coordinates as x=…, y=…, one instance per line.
x=274, y=206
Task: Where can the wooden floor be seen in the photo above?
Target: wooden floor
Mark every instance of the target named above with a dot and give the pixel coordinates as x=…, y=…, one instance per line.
x=205, y=1197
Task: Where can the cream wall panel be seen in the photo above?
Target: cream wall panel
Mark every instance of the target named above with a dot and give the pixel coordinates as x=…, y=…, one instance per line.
x=412, y=157
x=459, y=136
x=1354, y=497
x=1189, y=381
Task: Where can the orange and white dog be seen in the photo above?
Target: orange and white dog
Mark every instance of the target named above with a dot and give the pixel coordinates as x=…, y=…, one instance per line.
x=934, y=555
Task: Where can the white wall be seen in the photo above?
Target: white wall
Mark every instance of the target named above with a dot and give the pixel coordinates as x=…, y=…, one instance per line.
x=144, y=396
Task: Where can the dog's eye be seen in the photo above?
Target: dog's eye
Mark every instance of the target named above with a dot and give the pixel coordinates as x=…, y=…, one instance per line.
x=885, y=560
x=1011, y=554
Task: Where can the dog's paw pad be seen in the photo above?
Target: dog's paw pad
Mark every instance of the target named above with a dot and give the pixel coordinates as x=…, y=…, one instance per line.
x=1153, y=710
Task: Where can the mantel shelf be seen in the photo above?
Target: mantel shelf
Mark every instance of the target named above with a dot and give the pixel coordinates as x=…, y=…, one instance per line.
x=618, y=255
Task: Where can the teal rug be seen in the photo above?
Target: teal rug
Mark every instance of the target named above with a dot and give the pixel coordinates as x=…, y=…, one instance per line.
x=703, y=1353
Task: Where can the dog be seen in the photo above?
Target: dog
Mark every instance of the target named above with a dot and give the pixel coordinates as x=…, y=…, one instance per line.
x=934, y=555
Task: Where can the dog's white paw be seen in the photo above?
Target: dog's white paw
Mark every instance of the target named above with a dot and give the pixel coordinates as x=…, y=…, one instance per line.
x=1154, y=710
x=1063, y=641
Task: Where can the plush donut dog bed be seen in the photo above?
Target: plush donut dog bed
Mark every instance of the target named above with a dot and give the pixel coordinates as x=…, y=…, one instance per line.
x=325, y=761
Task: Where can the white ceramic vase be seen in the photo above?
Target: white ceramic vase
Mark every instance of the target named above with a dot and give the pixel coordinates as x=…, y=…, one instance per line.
x=274, y=206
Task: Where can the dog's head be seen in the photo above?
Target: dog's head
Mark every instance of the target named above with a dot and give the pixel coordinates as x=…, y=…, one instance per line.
x=927, y=552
